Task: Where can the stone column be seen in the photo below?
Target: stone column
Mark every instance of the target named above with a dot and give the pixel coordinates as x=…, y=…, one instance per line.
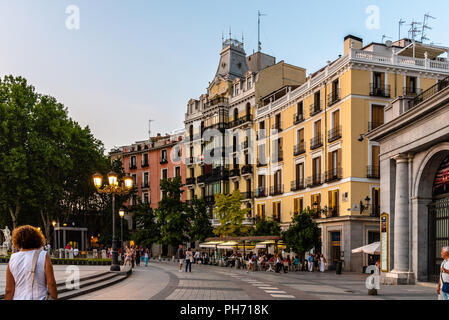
x=401, y=221
x=401, y=227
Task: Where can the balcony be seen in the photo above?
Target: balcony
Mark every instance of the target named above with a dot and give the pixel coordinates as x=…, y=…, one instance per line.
x=334, y=134
x=234, y=173
x=276, y=190
x=315, y=108
x=262, y=163
x=247, y=169
x=261, y=134
x=132, y=166
x=201, y=179
x=334, y=174
x=374, y=125
x=297, y=185
x=333, y=97
x=300, y=148
x=373, y=172
x=411, y=91
x=221, y=126
x=277, y=126
x=190, y=181
x=298, y=118
x=315, y=180
x=260, y=192
x=379, y=91
x=248, y=195
x=244, y=145
x=164, y=161
x=145, y=164
x=333, y=212
x=433, y=90
x=217, y=174
x=145, y=185
x=279, y=157
x=316, y=142
x=241, y=120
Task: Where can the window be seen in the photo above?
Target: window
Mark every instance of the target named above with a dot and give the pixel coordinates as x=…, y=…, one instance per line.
x=379, y=80
x=164, y=174
x=316, y=171
x=192, y=194
x=277, y=211
x=411, y=86
x=177, y=172
x=248, y=83
x=145, y=180
x=317, y=129
x=261, y=186
x=298, y=205
x=300, y=108
x=145, y=160
x=334, y=165
x=262, y=155
x=317, y=100
x=133, y=162
x=299, y=175
x=377, y=116
x=164, y=156
x=134, y=179
x=375, y=196
x=146, y=199
x=333, y=206
x=277, y=181
x=236, y=185
x=261, y=211
x=316, y=202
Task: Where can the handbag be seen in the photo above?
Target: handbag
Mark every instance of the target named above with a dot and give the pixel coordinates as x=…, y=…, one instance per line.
x=33, y=272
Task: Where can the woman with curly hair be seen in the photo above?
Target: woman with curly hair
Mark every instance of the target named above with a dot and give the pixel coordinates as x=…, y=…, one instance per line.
x=29, y=275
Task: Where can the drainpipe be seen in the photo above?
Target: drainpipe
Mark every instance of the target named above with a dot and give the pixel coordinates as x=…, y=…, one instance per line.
x=325, y=128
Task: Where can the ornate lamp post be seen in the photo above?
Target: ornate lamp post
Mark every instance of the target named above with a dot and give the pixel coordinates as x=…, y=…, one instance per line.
x=365, y=207
x=113, y=188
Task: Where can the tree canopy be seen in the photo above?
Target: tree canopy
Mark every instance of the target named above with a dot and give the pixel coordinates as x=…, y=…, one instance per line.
x=230, y=214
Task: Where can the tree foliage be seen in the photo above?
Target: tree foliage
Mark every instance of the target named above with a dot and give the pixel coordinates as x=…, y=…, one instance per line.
x=148, y=231
x=200, y=224
x=303, y=234
x=266, y=227
x=230, y=215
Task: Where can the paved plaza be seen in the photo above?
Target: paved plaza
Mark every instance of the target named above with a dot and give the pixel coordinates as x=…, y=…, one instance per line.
x=163, y=281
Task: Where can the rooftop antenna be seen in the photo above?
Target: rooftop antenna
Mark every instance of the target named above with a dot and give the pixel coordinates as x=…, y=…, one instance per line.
x=401, y=22
x=425, y=26
x=230, y=33
x=413, y=32
x=259, y=44
x=149, y=127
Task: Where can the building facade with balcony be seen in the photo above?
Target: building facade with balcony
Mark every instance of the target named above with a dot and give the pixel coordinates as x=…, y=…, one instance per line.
x=219, y=144
x=148, y=162
x=414, y=178
x=320, y=158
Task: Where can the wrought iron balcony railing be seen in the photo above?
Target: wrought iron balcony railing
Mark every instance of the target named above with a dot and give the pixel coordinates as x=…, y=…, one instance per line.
x=373, y=172
x=316, y=142
x=411, y=91
x=334, y=134
x=277, y=126
x=334, y=174
x=315, y=180
x=433, y=90
x=298, y=118
x=247, y=169
x=379, y=91
x=315, y=108
x=241, y=120
x=190, y=181
x=297, y=185
x=260, y=192
x=276, y=190
x=235, y=172
x=333, y=97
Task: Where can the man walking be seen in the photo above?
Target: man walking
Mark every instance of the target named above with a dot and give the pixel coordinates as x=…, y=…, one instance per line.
x=180, y=257
x=443, y=284
x=311, y=264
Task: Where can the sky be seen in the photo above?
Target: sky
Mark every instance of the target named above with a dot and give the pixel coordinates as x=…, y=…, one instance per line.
x=133, y=60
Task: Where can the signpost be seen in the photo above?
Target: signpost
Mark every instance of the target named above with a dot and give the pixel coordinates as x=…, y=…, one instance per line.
x=384, y=241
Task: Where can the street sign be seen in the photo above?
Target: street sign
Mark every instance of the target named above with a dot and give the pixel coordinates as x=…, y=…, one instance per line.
x=384, y=241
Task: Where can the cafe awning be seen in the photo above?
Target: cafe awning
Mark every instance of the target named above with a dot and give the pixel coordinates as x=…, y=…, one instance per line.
x=210, y=244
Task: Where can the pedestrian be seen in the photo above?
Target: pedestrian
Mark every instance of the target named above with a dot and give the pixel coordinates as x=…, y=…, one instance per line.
x=322, y=263
x=197, y=256
x=310, y=260
x=137, y=256
x=316, y=260
x=443, y=284
x=29, y=275
x=189, y=260
x=251, y=262
x=180, y=255
x=296, y=263
x=133, y=257
x=146, y=257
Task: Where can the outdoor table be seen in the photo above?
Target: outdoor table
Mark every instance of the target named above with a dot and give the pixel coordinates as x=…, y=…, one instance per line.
x=270, y=267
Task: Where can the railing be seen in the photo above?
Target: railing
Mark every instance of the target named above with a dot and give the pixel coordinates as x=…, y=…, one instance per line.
x=277, y=126
x=260, y=192
x=248, y=195
x=334, y=134
x=218, y=126
x=145, y=164
x=333, y=212
x=145, y=185
x=190, y=160
x=234, y=172
x=190, y=181
x=373, y=172
x=163, y=161
x=298, y=117
x=241, y=120
x=333, y=97
x=383, y=91
x=429, y=92
x=334, y=174
x=374, y=125
x=300, y=148
x=276, y=190
x=262, y=163
x=201, y=179
x=315, y=108
x=297, y=185
x=411, y=91
x=315, y=180
x=132, y=166
x=217, y=101
x=316, y=142
x=247, y=169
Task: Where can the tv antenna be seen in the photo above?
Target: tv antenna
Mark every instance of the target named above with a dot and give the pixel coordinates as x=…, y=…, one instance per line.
x=259, y=44
x=149, y=127
x=401, y=22
x=425, y=26
x=414, y=31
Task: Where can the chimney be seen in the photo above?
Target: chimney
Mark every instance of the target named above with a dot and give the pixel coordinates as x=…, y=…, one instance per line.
x=352, y=42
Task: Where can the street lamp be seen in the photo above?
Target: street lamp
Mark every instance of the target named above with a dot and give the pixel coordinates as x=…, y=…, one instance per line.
x=365, y=207
x=121, y=213
x=113, y=188
x=54, y=234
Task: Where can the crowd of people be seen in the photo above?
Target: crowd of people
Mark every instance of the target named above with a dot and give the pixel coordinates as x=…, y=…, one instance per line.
x=133, y=255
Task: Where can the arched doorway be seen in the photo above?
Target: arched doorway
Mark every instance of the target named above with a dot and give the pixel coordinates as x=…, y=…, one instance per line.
x=438, y=219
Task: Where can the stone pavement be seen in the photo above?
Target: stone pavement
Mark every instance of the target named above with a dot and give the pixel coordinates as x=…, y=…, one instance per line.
x=162, y=281
x=60, y=273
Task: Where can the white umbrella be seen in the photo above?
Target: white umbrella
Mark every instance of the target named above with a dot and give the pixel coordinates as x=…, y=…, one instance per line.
x=373, y=248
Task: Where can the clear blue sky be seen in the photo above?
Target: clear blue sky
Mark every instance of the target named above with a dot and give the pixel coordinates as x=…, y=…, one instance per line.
x=132, y=60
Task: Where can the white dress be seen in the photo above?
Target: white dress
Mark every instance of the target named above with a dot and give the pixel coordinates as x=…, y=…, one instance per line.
x=322, y=264
x=20, y=267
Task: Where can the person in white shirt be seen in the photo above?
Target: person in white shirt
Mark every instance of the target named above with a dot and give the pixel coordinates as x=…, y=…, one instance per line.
x=444, y=275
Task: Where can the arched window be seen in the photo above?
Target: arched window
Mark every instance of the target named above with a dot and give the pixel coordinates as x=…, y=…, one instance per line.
x=441, y=182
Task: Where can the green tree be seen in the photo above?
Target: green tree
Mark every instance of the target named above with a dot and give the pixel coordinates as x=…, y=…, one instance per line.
x=171, y=215
x=228, y=209
x=146, y=224
x=201, y=226
x=266, y=227
x=303, y=234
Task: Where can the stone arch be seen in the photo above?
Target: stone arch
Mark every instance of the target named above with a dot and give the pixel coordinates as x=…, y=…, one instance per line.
x=427, y=169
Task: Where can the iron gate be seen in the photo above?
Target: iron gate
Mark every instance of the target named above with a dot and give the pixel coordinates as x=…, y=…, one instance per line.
x=438, y=235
